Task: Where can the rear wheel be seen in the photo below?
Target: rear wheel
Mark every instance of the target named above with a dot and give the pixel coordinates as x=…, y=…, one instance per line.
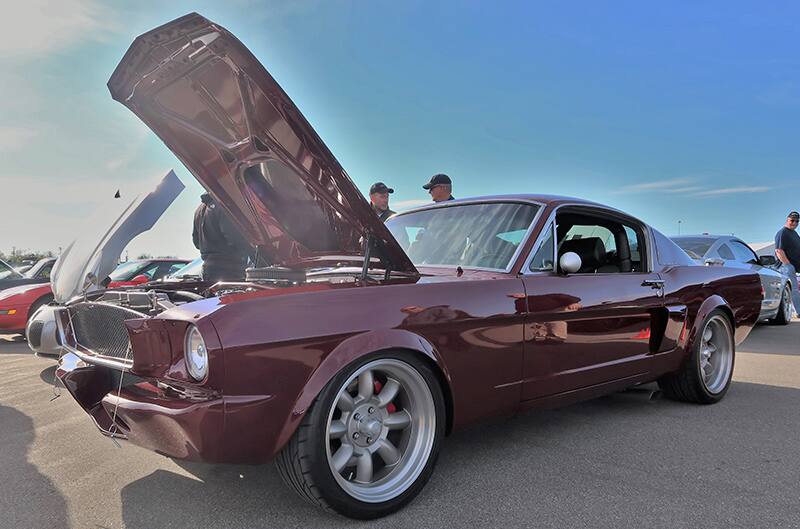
x=785, y=311
x=369, y=443
x=706, y=375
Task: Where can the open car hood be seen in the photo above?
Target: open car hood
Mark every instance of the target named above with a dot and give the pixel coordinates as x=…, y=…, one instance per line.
x=219, y=110
x=85, y=263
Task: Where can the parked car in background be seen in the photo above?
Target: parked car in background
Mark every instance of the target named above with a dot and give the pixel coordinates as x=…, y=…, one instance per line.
x=19, y=303
x=141, y=271
x=351, y=357
x=37, y=273
x=727, y=250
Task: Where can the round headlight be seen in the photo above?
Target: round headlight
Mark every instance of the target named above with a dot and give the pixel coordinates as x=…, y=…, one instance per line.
x=195, y=354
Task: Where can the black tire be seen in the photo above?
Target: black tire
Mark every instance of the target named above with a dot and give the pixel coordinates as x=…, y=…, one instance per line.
x=303, y=462
x=44, y=300
x=781, y=318
x=687, y=384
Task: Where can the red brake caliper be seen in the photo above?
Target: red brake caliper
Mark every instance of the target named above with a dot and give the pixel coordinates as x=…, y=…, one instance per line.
x=391, y=408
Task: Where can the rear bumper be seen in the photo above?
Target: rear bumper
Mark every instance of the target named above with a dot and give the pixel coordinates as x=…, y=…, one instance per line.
x=172, y=421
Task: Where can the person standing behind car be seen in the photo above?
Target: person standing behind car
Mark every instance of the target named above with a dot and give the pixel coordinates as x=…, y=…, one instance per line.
x=223, y=248
x=379, y=199
x=787, y=249
x=440, y=187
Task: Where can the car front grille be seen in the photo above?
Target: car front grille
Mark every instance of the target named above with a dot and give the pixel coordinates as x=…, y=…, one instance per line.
x=99, y=330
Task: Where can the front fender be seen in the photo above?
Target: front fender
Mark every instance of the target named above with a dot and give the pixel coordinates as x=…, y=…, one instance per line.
x=346, y=352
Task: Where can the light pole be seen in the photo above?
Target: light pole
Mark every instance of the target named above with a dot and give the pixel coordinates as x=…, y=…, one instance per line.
x=679, y=226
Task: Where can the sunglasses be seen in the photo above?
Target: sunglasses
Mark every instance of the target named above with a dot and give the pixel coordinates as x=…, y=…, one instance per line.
x=794, y=220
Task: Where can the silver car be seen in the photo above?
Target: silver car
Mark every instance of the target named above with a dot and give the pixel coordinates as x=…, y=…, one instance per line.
x=726, y=250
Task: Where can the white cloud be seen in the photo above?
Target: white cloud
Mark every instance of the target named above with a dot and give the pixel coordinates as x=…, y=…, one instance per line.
x=658, y=185
x=15, y=138
x=687, y=187
x=38, y=27
x=732, y=190
x=408, y=204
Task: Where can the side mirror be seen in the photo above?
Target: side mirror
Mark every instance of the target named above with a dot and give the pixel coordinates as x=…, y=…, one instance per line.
x=569, y=263
x=767, y=260
x=140, y=279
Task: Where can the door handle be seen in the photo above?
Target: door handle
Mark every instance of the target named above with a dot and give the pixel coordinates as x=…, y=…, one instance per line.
x=655, y=284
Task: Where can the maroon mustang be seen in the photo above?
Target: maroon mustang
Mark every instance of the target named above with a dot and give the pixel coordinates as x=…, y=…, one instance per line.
x=363, y=344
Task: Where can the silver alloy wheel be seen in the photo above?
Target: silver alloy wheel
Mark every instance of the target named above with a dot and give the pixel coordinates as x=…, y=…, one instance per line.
x=787, y=303
x=378, y=442
x=716, y=354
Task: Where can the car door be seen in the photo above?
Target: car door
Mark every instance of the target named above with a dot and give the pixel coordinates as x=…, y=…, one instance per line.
x=586, y=329
x=771, y=281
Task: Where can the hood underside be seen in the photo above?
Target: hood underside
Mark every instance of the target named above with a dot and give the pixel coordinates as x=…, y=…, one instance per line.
x=219, y=110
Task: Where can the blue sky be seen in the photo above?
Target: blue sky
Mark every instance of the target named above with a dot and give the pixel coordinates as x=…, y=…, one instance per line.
x=674, y=111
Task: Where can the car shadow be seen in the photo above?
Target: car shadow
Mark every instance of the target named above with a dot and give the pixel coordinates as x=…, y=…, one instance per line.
x=29, y=499
x=625, y=456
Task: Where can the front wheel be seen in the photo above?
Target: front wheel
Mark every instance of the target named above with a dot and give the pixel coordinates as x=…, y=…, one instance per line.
x=706, y=375
x=369, y=443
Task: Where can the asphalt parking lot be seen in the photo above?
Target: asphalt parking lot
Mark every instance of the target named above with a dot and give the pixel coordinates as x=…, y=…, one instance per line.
x=620, y=461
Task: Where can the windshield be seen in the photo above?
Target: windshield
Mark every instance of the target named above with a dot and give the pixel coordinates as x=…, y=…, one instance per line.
x=473, y=235
x=696, y=247
x=40, y=269
x=125, y=271
x=193, y=269
x=7, y=272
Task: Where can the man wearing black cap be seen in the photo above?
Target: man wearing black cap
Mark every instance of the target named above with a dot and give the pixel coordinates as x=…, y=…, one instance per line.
x=440, y=187
x=787, y=249
x=379, y=198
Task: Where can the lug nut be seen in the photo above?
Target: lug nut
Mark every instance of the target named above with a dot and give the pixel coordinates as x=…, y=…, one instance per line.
x=369, y=439
x=357, y=417
x=356, y=435
x=371, y=409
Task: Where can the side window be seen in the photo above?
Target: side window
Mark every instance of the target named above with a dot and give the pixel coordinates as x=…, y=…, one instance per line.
x=543, y=260
x=44, y=272
x=742, y=253
x=174, y=268
x=605, y=244
x=633, y=244
x=725, y=252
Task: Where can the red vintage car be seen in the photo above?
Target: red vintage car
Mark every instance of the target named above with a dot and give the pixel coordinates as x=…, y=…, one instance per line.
x=363, y=344
x=19, y=303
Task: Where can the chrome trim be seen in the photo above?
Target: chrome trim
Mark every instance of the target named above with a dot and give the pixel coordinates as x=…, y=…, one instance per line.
x=468, y=202
x=598, y=208
x=99, y=360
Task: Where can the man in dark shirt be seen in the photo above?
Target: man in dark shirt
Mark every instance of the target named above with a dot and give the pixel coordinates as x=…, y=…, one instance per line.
x=379, y=198
x=440, y=187
x=787, y=249
x=223, y=248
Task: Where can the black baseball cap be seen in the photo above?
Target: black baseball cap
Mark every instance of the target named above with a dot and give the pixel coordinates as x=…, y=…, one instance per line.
x=380, y=187
x=793, y=215
x=437, y=180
